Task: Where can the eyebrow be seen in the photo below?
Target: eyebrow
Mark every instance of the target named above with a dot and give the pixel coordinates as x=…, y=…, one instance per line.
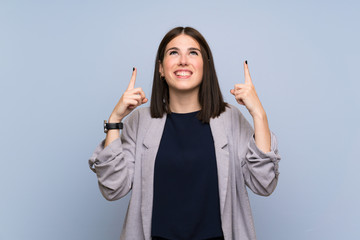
x=189, y=49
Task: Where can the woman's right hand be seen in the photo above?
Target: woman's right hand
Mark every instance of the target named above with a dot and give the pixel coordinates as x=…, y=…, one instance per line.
x=131, y=98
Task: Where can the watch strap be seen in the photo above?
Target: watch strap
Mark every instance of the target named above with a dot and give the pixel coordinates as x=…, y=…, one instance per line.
x=109, y=126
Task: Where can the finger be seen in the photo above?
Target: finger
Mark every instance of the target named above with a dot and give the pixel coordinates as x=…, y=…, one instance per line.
x=132, y=80
x=137, y=98
x=237, y=92
x=132, y=103
x=140, y=99
x=240, y=102
x=237, y=97
x=239, y=86
x=138, y=91
x=247, y=73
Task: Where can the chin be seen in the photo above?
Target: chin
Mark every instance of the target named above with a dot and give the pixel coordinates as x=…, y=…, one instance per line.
x=184, y=89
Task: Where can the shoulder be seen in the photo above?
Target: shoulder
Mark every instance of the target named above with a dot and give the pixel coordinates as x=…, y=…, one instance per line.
x=231, y=113
x=234, y=119
x=133, y=123
x=137, y=114
x=140, y=118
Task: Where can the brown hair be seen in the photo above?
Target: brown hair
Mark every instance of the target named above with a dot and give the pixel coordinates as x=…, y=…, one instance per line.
x=210, y=97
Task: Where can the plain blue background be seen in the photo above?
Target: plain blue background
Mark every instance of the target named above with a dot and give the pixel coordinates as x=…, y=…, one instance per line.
x=65, y=64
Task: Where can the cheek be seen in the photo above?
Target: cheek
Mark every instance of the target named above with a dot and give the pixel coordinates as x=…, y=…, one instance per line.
x=168, y=65
x=200, y=67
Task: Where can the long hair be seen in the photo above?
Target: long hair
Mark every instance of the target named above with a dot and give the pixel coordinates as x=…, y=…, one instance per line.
x=210, y=97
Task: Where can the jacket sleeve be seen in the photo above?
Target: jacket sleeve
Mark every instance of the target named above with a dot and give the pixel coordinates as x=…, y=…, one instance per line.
x=114, y=165
x=260, y=170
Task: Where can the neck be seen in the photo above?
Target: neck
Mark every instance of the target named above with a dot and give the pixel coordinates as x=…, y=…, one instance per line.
x=184, y=102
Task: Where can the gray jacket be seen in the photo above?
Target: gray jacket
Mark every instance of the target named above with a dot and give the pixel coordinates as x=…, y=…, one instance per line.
x=128, y=164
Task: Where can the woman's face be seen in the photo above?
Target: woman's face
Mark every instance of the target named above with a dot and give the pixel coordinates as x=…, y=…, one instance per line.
x=182, y=66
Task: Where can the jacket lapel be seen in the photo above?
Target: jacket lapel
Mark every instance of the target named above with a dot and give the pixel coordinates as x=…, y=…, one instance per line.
x=151, y=145
x=218, y=130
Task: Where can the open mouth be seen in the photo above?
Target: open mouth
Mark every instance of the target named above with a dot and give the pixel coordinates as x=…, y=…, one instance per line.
x=183, y=73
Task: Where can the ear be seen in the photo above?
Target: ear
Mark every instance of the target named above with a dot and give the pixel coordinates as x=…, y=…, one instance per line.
x=161, y=70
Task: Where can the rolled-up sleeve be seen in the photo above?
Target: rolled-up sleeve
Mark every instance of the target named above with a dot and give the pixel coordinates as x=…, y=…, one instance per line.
x=114, y=164
x=261, y=170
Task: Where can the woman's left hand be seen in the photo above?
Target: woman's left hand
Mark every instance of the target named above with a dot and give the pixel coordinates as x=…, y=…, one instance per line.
x=245, y=94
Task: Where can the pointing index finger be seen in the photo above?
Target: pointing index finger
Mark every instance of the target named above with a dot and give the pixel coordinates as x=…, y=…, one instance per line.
x=247, y=73
x=132, y=80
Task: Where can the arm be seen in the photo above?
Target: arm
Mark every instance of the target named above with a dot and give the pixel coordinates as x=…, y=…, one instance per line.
x=262, y=132
x=131, y=98
x=246, y=95
x=114, y=164
x=260, y=169
x=260, y=164
x=114, y=159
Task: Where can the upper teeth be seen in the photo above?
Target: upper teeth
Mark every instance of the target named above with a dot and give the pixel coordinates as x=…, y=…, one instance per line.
x=183, y=73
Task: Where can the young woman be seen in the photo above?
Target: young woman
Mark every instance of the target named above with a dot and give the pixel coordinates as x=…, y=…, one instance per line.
x=187, y=158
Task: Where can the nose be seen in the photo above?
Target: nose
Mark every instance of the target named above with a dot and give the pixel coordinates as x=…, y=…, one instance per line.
x=183, y=61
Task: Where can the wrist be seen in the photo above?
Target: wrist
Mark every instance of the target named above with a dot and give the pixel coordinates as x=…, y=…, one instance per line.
x=113, y=119
x=259, y=115
x=112, y=126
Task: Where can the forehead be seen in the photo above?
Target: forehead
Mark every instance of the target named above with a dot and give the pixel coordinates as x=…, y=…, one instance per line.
x=183, y=41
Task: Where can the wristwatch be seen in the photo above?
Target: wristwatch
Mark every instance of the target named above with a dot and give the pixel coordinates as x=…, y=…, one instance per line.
x=109, y=126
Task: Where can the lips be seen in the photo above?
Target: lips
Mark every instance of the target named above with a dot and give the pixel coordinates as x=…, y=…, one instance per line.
x=183, y=73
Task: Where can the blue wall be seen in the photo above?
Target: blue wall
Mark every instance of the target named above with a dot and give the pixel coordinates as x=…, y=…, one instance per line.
x=65, y=64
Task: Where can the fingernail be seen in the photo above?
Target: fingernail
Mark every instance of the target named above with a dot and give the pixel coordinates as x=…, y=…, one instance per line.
x=246, y=62
x=133, y=69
